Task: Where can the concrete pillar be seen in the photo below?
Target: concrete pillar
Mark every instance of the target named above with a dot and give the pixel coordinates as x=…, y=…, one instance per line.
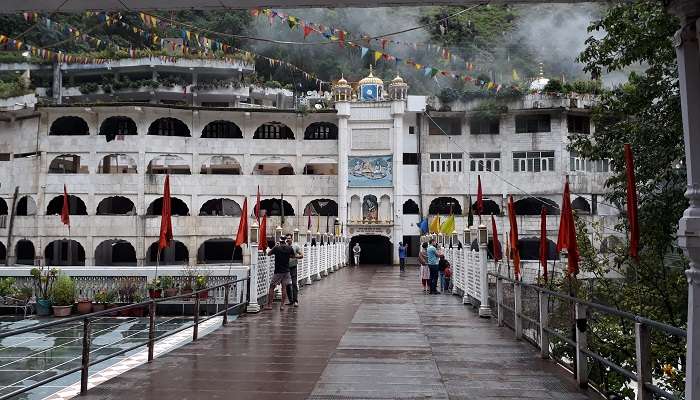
x=253, y=306
x=687, y=42
x=397, y=112
x=195, y=99
x=57, y=86
x=343, y=151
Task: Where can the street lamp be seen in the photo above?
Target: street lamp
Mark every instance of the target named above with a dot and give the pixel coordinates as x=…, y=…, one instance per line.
x=454, y=239
x=467, y=239
x=483, y=235
x=309, y=236
x=278, y=234
x=336, y=226
x=254, y=233
x=295, y=235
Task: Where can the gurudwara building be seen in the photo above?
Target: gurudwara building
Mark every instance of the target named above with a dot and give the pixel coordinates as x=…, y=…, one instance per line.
x=373, y=161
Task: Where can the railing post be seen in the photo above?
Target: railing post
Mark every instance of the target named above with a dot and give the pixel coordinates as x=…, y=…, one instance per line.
x=253, y=306
x=226, y=290
x=195, y=328
x=643, y=345
x=306, y=250
x=85, y=363
x=151, y=329
x=581, y=346
x=499, y=300
x=465, y=272
x=517, y=310
x=484, y=308
x=544, y=324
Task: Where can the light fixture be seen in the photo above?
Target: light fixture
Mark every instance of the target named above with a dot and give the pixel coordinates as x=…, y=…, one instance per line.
x=278, y=234
x=295, y=235
x=466, y=238
x=309, y=236
x=483, y=235
x=254, y=233
x=454, y=240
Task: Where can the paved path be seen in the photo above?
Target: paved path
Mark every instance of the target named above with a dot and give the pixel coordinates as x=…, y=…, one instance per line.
x=366, y=333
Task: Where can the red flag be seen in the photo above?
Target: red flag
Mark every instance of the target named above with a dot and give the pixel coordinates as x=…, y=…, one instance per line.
x=496, y=242
x=65, y=211
x=514, y=251
x=567, y=231
x=263, y=234
x=242, y=234
x=257, y=207
x=166, y=225
x=479, y=197
x=632, y=203
x=543, y=241
x=307, y=30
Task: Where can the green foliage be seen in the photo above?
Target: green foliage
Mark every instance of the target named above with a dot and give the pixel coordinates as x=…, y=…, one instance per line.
x=553, y=86
x=489, y=109
x=155, y=284
x=200, y=282
x=63, y=293
x=102, y=296
x=6, y=286
x=583, y=87
x=43, y=279
x=12, y=86
x=167, y=282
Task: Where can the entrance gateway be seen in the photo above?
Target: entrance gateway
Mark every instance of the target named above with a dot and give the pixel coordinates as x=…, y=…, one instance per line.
x=376, y=249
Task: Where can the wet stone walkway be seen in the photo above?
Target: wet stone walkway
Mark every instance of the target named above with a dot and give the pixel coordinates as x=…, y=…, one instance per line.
x=363, y=333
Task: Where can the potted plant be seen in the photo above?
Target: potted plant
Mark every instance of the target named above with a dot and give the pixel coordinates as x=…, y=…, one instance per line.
x=100, y=303
x=155, y=288
x=127, y=290
x=111, y=298
x=190, y=273
x=137, y=311
x=44, y=279
x=168, y=285
x=63, y=296
x=84, y=305
x=200, y=282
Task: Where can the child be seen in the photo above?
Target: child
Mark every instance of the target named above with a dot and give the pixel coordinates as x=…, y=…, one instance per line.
x=448, y=277
x=424, y=270
x=444, y=282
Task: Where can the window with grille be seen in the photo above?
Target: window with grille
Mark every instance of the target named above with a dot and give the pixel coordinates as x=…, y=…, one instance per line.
x=533, y=123
x=446, y=162
x=533, y=161
x=484, y=126
x=485, y=162
x=578, y=163
x=578, y=124
x=449, y=125
x=410, y=158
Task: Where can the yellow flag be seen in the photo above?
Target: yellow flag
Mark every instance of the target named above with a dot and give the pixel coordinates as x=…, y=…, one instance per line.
x=515, y=75
x=448, y=226
x=377, y=56
x=435, y=225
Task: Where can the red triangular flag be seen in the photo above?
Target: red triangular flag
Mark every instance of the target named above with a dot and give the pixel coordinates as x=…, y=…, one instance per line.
x=567, y=231
x=307, y=30
x=263, y=234
x=479, y=197
x=65, y=211
x=257, y=207
x=166, y=225
x=496, y=243
x=242, y=234
x=514, y=250
x=632, y=203
x=543, y=241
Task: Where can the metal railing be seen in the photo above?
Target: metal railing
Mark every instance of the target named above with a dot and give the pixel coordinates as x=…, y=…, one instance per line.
x=86, y=362
x=643, y=374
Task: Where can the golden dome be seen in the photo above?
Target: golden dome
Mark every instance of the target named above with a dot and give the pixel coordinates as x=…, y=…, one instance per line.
x=342, y=81
x=370, y=79
x=398, y=80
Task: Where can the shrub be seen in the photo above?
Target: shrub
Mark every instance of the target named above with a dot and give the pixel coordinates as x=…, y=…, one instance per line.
x=63, y=293
x=553, y=86
x=6, y=286
x=167, y=282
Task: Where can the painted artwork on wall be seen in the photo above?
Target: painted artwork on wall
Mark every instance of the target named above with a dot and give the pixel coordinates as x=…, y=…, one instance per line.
x=371, y=171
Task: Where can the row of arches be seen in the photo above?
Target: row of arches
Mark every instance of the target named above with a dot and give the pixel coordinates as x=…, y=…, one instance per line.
x=526, y=206
x=169, y=126
x=174, y=165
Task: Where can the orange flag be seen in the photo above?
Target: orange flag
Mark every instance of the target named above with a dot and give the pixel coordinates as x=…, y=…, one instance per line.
x=567, y=231
x=166, y=225
x=263, y=234
x=242, y=234
x=65, y=211
x=514, y=250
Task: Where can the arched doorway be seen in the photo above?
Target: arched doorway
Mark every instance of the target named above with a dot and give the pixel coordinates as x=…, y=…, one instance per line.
x=376, y=249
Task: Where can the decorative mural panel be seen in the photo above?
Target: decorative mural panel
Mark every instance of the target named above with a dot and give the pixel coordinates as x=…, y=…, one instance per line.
x=372, y=171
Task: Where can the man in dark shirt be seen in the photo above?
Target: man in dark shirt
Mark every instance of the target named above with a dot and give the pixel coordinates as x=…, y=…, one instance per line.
x=282, y=253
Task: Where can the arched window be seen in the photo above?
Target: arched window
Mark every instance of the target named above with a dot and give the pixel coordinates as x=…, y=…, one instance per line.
x=219, y=251
x=116, y=205
x=221, y=206
x=168, y=127
x=533, y=206
x=221, y=165
x=581, y=205
x=322, y=207
x=175, y=254
x=222, y=130
x=117, y=126
x=273, y=166
x=530, y=249
x=445, y=206
x=117, y=164
x=273, y=207
x=273, y=130
x=321, y=131
x=26, y=206
x=24, y=252
x=3, y=207
x=69, y=126
x=490, y=208
x=76, y=206
x=3, y=253
x=177, y=207
x=168, y=164
x=321, y=166
x=67, y=164
x=64, y=252
x=410, y=207
x=115, y=252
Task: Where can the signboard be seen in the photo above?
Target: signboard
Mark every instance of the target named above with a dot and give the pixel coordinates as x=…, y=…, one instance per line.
x=371, y=171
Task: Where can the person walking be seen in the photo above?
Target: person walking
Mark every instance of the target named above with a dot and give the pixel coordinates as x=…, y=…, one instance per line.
x=424, y=270
x=433, y=264
x=356, y=252
x=402, y=256
x=293, y=289
x=281, y=275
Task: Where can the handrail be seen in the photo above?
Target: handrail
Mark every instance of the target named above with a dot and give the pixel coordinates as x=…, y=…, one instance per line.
x=151, y=304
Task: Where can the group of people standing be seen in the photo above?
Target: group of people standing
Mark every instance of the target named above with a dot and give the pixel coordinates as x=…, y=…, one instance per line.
x=434, y=267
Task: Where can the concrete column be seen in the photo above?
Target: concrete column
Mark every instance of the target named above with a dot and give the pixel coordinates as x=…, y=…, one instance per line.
x=397, y=112
x=195, y=100
x=343, y=151
x=484, y=308
x=253, y=306
x=57, y=86
x=687, y=41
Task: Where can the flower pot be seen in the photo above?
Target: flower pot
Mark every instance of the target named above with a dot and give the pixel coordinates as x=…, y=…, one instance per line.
x=170, y=292
x=43, y=307
x=98, y=307
x=154, y=293
x=108, y=306
x=84, y=307
x=62, y=311
x=204, y=295
x=186, y=291
x=137, y=312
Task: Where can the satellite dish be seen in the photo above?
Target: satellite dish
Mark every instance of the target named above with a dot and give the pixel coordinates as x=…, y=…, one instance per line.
x=318, y=106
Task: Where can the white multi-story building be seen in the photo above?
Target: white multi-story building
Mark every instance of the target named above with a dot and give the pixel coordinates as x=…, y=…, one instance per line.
x=375, y=162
